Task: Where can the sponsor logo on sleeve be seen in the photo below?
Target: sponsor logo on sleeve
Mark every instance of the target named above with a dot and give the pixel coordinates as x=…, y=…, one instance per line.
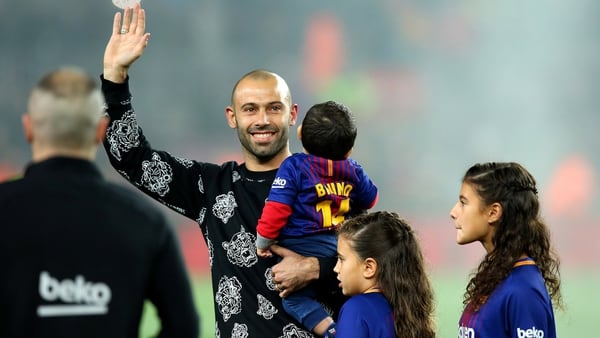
x=530, y=333
x=466, y=332
x=72, y=297
x=278, y=183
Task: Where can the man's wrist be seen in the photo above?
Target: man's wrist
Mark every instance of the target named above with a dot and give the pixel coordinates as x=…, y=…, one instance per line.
x=311, y=268
x=115, y=74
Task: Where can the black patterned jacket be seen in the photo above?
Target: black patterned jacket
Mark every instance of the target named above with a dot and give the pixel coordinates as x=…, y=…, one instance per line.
x=226, y=201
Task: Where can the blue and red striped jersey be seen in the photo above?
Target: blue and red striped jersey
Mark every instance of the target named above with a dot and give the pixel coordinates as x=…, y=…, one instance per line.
x=321, y=192
x=519, y=307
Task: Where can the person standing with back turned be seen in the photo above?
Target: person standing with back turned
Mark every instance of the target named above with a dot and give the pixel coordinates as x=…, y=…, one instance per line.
x=81, y=255
x=226, y=199
x=512, y=292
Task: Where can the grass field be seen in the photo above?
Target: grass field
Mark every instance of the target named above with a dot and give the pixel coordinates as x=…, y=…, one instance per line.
x=580, y=292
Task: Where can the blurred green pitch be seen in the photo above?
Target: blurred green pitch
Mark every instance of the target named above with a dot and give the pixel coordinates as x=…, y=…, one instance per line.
x=579, y=319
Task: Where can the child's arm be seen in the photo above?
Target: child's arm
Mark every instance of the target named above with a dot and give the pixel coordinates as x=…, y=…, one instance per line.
x=273, y=218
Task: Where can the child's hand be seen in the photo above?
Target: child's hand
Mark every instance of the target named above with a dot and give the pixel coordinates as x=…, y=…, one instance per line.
x=264, y=253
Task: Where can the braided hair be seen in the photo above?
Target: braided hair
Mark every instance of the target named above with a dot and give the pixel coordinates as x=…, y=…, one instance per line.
x=520, y=230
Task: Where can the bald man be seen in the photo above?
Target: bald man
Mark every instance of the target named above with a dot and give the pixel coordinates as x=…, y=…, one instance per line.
x=225, y=199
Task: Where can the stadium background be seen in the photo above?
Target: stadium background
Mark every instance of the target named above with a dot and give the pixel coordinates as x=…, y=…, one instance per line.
x=435, y=85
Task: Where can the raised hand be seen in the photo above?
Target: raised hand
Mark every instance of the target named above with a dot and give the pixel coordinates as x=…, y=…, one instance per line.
x=127, y=43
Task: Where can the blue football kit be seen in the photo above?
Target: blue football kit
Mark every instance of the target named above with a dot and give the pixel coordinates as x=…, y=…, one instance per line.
x=520, y=307
x=366, y=315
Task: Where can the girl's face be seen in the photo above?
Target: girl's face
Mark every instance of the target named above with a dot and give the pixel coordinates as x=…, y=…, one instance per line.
x=473, y=220
x=350, y=270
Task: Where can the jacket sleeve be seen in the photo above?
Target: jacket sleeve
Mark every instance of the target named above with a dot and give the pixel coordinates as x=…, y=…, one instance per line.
x=173, y=181
x=170, y=291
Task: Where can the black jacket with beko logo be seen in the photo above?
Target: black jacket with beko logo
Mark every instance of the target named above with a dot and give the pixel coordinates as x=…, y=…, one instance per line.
x=80, y=256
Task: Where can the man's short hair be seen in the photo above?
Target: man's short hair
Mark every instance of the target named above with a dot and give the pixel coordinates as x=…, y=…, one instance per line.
x=65, y=107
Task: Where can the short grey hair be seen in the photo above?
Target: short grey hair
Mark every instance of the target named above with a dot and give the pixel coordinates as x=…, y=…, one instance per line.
x=65, y=107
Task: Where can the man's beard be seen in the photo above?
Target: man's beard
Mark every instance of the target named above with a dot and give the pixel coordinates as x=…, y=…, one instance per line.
x=263, y=153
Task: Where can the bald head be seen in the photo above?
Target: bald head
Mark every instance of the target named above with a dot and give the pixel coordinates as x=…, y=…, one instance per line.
x=263, y=75
x=64, y=111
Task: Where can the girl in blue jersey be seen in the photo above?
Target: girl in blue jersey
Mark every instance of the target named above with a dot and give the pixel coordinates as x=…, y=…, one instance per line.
x=380, y=264
x=512, y=292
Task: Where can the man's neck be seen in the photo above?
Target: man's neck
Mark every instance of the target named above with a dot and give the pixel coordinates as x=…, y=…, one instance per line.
x=39, y=155
x=254, y=164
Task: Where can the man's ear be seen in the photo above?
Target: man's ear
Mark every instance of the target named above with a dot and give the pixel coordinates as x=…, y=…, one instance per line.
x=293, y=114
x=494, y=212
x=230, y=116
x=299, y=132
x=27, y=127
x=101, y=129
x=369, y=268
